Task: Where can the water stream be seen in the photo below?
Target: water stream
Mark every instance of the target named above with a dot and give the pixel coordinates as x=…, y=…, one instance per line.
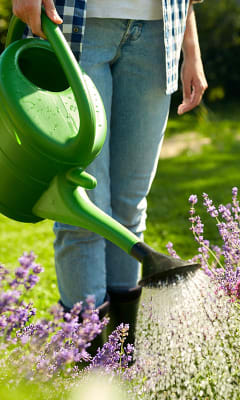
x=187, y=342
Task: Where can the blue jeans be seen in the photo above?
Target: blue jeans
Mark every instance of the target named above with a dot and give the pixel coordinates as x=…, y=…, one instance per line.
x=126, y=61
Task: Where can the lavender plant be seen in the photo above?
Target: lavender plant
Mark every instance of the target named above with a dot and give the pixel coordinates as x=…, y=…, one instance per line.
x=113, y=355
x=188, y=331
x=188, y=336
x=221, y=264
x=54, y=347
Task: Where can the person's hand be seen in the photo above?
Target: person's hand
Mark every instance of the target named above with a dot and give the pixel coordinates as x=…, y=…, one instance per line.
x=194, y=84
x=29, y=11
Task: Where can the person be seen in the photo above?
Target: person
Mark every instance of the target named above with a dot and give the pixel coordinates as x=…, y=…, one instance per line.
x=131, y=50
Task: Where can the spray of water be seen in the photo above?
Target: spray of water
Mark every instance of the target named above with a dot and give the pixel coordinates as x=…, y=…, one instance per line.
x=188, y=342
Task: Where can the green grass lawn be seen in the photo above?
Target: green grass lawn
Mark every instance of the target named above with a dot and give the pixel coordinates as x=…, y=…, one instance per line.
x=215, y=171
x=17, y=237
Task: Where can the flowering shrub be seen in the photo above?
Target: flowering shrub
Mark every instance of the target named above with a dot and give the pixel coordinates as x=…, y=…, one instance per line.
x=222, y=264
x=113, y=355
x=188, y=333
x=46, y=349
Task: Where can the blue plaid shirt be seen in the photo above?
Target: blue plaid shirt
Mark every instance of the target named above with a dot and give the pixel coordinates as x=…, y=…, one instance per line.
x=73, y=13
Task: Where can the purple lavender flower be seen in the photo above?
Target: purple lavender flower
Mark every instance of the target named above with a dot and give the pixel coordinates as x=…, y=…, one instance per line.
x=171, y=250
x=64, y=356
x=21, y=273
x=211, y=209
x=37, y=268
x=57, y=312
x=77, y=308
x=3, y=272
x=227, y=257
x=3, y=322
x=7, y=299
x=113, y=354
x=27, y=259
x=31, y=281
x=193, y=199
x=197, y=228
x=225, y=212
x=235, y=204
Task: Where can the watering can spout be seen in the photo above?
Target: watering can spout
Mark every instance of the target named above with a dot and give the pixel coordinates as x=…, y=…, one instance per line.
x=67, y=202
x=158, y=267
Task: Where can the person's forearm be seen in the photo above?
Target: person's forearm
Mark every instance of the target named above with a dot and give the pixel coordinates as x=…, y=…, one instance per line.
x=193, y=79
x=190, y=45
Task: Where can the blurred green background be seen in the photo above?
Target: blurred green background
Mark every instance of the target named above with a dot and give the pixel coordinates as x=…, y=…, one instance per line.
x=5, y=13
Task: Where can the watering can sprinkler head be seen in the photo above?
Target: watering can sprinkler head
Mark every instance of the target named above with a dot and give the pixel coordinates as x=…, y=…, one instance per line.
x=52, y=126
x=158, y=267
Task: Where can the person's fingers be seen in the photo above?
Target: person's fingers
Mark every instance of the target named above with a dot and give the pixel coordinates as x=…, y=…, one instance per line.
x=195, y=98
x=187, y=94
x=198, y=91
x=34, y=21
x=193, y=101
x=29, y=12
x=184, y=107
x=52, y=12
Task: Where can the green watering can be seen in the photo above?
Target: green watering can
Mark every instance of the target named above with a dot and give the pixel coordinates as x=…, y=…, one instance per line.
x=52, y=126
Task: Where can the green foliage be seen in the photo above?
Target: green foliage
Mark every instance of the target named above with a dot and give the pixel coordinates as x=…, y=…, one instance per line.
x=27, y=390
x=219, y=34
x=5, y=13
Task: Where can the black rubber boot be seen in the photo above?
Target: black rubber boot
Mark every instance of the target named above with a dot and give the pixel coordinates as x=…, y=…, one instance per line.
x=102, y=337
x=123, y=309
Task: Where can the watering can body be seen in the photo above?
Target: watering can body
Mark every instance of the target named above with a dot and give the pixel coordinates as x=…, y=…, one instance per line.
x=41, y=129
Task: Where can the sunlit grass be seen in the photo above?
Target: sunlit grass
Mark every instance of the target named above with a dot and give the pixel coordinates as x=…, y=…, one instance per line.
x=16, y=238
x=215, y=170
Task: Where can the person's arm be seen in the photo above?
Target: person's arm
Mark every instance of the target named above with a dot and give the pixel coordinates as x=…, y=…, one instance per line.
x=29, y=11
x=192, y=74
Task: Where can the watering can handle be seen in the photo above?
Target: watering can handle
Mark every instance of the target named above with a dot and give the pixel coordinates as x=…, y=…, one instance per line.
x=72, y=71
